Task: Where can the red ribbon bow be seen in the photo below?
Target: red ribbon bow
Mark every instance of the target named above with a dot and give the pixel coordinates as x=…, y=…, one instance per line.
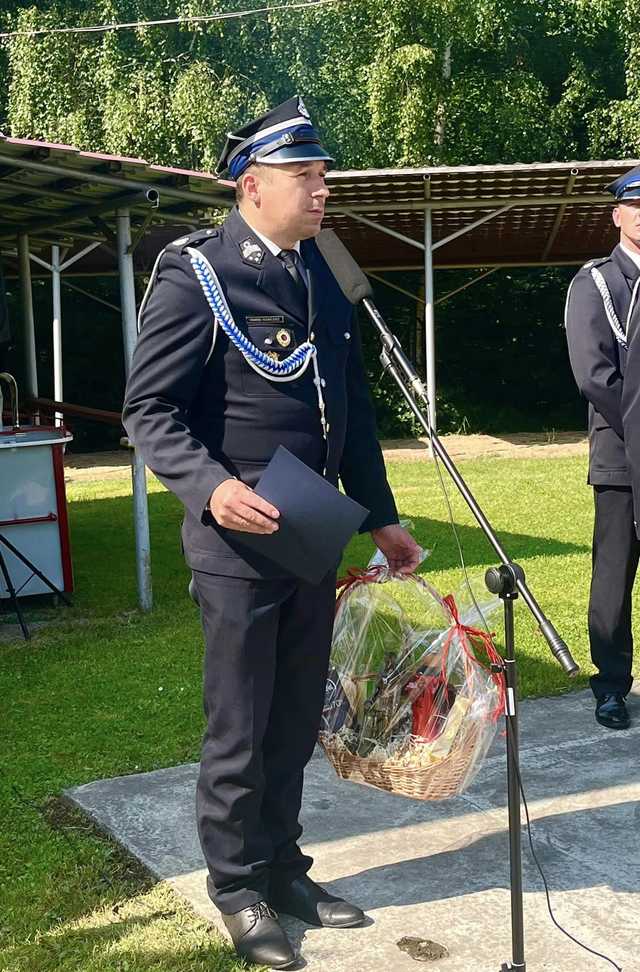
x=467, y=635
x=354, y=576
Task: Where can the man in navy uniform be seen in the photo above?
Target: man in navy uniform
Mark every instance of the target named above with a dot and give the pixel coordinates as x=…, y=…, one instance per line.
x=207, y=415
x=601, y=321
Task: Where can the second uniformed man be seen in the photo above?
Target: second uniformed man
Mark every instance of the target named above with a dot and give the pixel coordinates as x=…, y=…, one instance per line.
x=601, y=320
x=203, y=408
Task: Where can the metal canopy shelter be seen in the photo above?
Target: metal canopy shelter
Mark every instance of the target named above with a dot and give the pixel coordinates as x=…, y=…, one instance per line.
x=57, y=206
x=473, y=216
x=500, y=215
x=85, y=213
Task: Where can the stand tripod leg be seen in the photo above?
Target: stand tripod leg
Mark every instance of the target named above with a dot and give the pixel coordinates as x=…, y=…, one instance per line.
x=13, y=597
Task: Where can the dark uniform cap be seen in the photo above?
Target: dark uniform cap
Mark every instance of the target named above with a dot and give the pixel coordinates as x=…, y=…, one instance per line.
x=626, y=186
x=283, y=134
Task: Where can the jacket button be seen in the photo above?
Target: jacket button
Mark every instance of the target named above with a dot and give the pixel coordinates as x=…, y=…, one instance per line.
x=347, y=336
x=312, y=336
x=323, y=383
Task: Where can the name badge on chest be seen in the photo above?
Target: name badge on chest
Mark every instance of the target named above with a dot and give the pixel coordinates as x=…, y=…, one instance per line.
x=265, y=319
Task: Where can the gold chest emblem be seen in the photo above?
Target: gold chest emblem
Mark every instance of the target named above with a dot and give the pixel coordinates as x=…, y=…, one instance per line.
x=283, y=337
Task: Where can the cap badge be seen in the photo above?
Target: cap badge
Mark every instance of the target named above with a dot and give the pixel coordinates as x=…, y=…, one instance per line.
x=251, y=251
x=283, y=337
x=302, y=109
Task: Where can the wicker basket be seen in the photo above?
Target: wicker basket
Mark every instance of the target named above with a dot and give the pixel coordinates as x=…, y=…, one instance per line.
x=435, y=782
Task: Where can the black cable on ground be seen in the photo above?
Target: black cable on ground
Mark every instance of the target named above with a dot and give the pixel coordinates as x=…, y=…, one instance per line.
x=555, y=921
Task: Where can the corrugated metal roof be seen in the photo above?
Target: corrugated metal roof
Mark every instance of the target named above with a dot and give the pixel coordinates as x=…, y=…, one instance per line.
x=57, y=191
x=558, y=212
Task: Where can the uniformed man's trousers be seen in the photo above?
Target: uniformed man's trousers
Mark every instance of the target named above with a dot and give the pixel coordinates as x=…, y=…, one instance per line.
x=615, y=560
x=267, y=653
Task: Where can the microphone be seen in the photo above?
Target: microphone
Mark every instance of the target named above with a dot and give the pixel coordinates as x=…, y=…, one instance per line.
x=352, y=281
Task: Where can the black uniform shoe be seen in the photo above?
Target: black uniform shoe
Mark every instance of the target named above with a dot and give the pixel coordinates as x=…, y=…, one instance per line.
x=305, y=899
x=258, y=937
x=611, y=711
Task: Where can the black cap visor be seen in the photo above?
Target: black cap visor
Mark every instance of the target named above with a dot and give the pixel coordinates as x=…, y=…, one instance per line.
x=629, y=193
x=298, y=152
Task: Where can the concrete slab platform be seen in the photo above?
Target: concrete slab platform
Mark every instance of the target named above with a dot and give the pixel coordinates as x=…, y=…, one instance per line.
x=440, y=871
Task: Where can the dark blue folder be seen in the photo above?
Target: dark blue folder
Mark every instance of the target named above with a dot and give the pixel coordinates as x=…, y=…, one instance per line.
x=316, y=520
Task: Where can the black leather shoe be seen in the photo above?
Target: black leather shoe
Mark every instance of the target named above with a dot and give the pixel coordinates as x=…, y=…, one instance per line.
x=611, y=711
x=258, y=937
x=305, y=899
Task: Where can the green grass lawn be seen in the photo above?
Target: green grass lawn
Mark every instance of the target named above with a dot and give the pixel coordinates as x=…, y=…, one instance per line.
x=103, y=690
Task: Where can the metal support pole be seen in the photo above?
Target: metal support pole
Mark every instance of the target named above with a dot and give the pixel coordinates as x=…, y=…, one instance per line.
x=58, y=390
x=430, y=342
x=28, y=328
x=130, y=335
x=513, y=790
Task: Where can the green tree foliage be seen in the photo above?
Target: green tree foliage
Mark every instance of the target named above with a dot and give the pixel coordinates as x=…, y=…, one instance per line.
x=391, y=83
x=395, y=82
x=614, y=129
x=164, y=94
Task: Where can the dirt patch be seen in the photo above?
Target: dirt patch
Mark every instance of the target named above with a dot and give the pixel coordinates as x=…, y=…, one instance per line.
x=519, y=445
x=83, y=467
x=72, y=823
x=422, y=949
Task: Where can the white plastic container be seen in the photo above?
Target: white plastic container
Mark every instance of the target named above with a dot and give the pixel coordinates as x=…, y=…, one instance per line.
x=33, y=508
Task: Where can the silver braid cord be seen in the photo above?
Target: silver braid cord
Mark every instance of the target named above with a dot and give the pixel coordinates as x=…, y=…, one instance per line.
x=288, y=370
x=609, y=309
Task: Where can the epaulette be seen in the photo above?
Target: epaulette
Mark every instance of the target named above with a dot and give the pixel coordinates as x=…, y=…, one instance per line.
x=194, y=239
x=596, y=263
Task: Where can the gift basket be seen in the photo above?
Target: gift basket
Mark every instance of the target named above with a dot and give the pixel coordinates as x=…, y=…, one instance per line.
x=412, y=702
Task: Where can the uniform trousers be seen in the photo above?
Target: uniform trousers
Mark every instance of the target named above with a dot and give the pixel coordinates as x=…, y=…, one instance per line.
x=265, y=670
x=615, y=560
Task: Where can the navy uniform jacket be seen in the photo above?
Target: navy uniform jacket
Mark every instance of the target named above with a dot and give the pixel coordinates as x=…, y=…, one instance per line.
x=601, y=367
x=200, y=416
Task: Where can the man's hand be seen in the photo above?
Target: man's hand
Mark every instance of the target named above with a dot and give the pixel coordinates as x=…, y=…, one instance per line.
x=401, y=550
x=236, y=506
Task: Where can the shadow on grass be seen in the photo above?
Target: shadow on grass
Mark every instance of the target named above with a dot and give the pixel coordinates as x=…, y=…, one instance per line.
x=103, y=547
x=96, y=903
x=551, y=437
x=103, y=550
x=103, y=554
x=103, y=542
x=437, y=536
x=112, y=947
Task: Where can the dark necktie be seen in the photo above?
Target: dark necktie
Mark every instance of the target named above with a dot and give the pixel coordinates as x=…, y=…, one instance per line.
x=294, y=266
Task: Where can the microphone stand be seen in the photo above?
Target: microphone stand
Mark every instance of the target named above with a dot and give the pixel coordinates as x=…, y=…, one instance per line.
x=508, y=582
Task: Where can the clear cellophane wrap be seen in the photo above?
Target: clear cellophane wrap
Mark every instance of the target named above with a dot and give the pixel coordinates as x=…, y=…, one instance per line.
x=412, y=703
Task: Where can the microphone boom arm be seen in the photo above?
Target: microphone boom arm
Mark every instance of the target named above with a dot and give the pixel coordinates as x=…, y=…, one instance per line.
x=395, y=361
